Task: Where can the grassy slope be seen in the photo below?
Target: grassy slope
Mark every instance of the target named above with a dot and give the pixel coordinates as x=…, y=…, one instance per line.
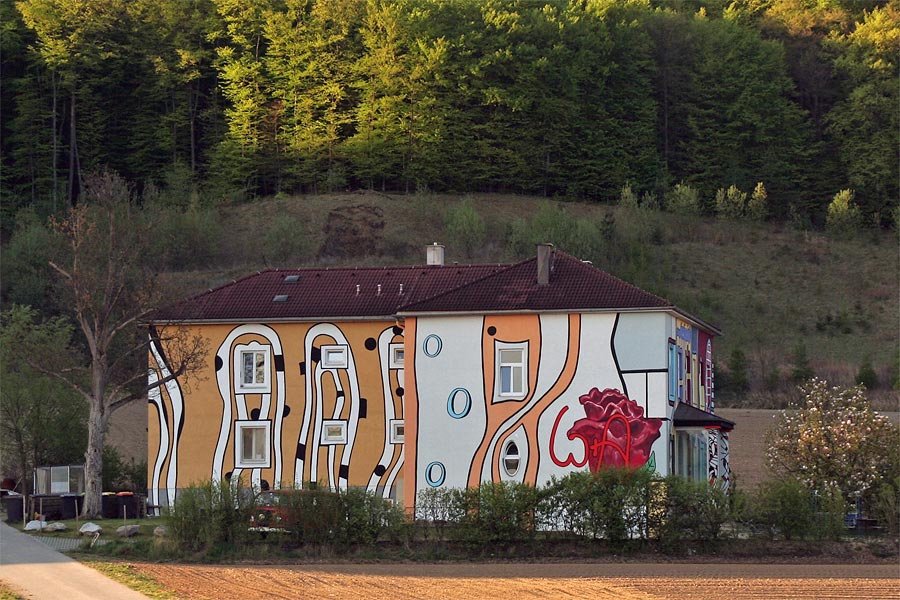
x=768, y=286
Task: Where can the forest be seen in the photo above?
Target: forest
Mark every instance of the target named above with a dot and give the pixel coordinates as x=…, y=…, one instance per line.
x=235, y=100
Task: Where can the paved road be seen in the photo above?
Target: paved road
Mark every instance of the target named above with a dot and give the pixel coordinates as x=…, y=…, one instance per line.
x=33, y=569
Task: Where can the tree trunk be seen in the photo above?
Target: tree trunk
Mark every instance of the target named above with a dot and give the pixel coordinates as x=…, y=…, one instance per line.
x=93, y=461
x=71, y=195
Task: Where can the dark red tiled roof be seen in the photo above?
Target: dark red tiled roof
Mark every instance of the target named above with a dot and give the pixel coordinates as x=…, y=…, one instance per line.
x=322, y=293
x=347, y=293
x=574, y=284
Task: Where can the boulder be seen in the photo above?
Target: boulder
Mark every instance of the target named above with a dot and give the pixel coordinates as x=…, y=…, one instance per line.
x=90, y=529
x=128, y=530
x=160, y=531
x=56, y=527
x=36, y=525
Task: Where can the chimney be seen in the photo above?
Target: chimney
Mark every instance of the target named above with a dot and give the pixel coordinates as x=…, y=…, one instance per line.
x=434, y=255
x=544, y=253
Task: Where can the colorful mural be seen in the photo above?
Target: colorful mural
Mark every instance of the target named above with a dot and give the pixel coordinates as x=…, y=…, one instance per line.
x=336, y=418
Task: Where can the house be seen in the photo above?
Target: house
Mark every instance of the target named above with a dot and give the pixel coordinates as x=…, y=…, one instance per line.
x=398, y=379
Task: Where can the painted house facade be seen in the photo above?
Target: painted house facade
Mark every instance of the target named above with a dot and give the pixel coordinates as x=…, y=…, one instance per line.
x=400, y=379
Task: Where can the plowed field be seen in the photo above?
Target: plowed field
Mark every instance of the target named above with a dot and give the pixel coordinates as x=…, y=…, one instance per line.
x=465, y=581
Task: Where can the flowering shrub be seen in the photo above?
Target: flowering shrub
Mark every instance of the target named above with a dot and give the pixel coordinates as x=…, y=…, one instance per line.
x=834, y=440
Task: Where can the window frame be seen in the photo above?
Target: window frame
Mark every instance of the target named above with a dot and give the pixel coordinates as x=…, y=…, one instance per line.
x=240, y=351
x=335, y=348
x=329, y=440
x=393, y=360
x=394, y=425
x=506, y=456
x=512, y=394
x=239, y=460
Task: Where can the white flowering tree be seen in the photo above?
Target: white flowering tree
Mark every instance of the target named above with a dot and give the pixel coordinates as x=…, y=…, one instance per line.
x=834, y=440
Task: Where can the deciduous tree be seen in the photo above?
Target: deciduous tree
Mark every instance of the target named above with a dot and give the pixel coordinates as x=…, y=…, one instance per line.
x=110, y=279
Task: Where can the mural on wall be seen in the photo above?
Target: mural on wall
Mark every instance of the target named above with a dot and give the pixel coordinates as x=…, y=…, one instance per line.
x=518, y=411
x=615, y=432
x=244, y=373
x=257, y=436
x=169, y=404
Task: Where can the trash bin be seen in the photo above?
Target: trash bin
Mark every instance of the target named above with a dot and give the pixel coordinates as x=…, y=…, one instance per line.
x=109, y=505
x=71, y=505
x=127, y=505
x=13, y=505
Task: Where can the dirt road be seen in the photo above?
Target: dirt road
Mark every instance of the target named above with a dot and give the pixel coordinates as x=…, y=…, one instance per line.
x=463, y=581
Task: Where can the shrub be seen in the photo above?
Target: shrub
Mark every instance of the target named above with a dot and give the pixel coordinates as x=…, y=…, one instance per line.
x=683, y=199
x=783, y=506
x=730, y=203
x=212, y=516
x=496, y=512
x=887, y=506
x=758, y=207
x=844, y=217
x=611, y=504
x=801, y=371
x=628, y=199
x=287, y=240
x=692, y=510
x=866, y=376
x=435, y=509
x=465, y=226
x=313, y=515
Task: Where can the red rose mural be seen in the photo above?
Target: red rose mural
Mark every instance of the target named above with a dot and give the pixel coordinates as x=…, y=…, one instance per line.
x=615, y=432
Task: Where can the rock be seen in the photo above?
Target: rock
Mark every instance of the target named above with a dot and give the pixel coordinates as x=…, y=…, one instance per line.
x=90, y=529
x=128, y=530
x=36, y=525
x=160, y=531
x=56, y=527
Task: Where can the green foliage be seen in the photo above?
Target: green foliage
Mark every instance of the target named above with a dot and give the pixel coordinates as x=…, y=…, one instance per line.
x=731, y=203
x=465, y=226
x=692, y=510
x=735, y=380
x=887, y=506
x=866, y=376
x=611, y=504
x=366, y=517
x=42, y=421
x=119, y=474
x=683, y=199
x=288, y=241
x=496, y=512
x=186, y=239
x=844, y=217
x=26, y=273
x=800, y=371
x=212, y=517
x=628, y=199
x=784, y=507
x=758, y=207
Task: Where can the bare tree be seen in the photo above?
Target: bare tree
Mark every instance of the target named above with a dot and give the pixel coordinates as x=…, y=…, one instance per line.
x=109, y=276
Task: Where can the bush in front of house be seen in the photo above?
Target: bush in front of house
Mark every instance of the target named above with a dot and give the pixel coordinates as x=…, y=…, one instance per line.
x=212, y=516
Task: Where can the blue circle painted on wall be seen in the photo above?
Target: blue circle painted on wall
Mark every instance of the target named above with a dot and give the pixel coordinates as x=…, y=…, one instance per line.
x=432, y=346
x=429, y=474
x=451, y=403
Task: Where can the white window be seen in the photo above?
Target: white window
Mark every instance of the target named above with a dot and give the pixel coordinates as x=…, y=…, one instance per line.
x=396, y=358
x=397, y=431
x=251, y=444
x=334, y=432
x=511, y=370
x=511, y=458
x=252, y=368
x=334, y=357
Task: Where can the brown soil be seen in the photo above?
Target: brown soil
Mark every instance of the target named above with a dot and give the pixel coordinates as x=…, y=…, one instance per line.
x=465, y=581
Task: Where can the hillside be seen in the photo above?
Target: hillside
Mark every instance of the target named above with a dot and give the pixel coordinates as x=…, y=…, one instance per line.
x=769, y=287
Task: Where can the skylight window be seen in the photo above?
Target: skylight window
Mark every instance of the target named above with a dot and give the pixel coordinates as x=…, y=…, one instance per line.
x=280, y=298
x=291, y=278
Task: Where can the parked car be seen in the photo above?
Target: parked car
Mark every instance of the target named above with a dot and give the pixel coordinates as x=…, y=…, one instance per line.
x=271, y=511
